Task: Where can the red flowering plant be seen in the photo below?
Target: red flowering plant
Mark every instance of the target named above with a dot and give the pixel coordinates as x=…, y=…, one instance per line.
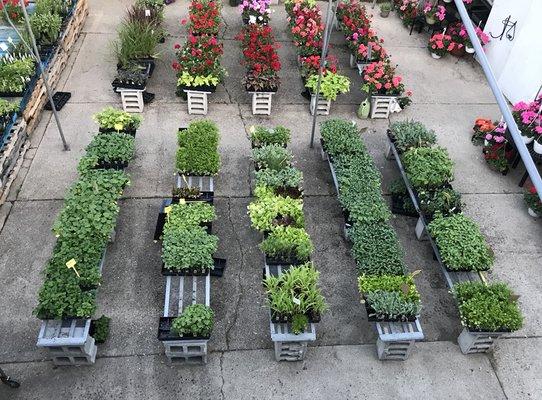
x=307, y=29
x=497, y=152
x=408, y=11
x=289, y=5
x=198, y=62
x=440, y=44
x=13, y=9
x=311, y=64
x=533, y=201
x=379, y=79
x=371, y=51
x=260, y=58
x=353, y=18
x=204, y=17
x=482, y=126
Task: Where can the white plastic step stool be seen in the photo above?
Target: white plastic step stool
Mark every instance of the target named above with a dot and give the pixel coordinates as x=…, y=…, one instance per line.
x=197, y=102
x=261, y=103
x=132, y=100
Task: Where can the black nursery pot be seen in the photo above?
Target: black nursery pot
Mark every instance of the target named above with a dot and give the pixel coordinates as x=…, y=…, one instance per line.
x=118, y=84
x=189, y=272
x=201, y=88
x=118, y=165
x=128, y=131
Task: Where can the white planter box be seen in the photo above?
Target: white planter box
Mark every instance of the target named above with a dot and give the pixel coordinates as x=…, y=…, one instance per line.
x=261, y=103
x=132, y=100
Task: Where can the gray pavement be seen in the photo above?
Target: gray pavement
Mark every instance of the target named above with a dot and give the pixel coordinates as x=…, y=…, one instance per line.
x=448, y=95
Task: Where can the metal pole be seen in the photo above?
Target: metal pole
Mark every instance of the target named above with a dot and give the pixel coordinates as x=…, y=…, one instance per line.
x=327, y=34
x=43, y=75
x=501, y=101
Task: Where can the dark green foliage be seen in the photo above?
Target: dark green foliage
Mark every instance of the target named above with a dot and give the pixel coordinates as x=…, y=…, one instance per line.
x=112, y=147
x=428, y=167
x=341, y=137
x=100, y=328
x=262, y=136
x=409, y=134
x=272, y=156
x=444, y=201
x=188, y=248
x=286, y=242
x=198, y=149
x=288, y=177
x=197, y=320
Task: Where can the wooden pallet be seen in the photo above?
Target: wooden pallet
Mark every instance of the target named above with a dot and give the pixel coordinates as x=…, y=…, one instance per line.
x=12, y=157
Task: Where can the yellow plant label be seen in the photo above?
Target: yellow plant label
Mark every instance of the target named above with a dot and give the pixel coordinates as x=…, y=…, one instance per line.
x=71, y=265
x=167, y=210
x=182, y=201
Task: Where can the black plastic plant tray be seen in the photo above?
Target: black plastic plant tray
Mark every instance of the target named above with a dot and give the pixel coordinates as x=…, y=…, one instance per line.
x=118, y=165
x=148, y=97
x=195, y=272
x=220, y=267
x=59, y=99
x=161, y=221
x=131, y=132
x=165, y=333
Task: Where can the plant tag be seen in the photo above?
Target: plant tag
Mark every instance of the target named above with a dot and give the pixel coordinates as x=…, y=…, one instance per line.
x=71, y=265
x=252, y=129
x=10, y=40
x=405, y=288
x=147, y=13
x=167, y=210
x=182, y=201
x=296, y=300
x=3, y=46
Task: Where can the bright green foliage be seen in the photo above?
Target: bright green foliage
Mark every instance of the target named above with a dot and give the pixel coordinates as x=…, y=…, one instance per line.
x=287, y=242
x=189, y=248
x=270, y=211
x=299, y=322
x=331, y=85
x=46, y=27
x=341, y=137
x=112, y=147
x=490, y=308
x=15, y=73
x=262, y=136
x=461, y=244
x=376, y=249
x=299, y=283
x=273, y=156
x=197, y=320
x=428, y=167
x=185, y=215
x=113, y=119
x=402, y=284
x=198, y=149
x=443, y=201
x=8, y=107
x=59, y=7
x=288, y=177
x=409, y=134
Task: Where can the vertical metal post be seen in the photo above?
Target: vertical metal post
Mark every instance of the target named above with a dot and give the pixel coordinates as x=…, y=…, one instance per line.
x=327, y=34
x=501, y=101
x=43, y=75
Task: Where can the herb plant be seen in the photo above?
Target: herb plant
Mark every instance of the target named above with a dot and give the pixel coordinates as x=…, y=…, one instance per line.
x=262, y=136
x=288, y=177
x=198, y=149
x=46, y=27
x=196, y=320
x=272, y=156
x=391, y=306
x=112, y=147
x=490, y=308
x=340, y=137
x=286, y=242
x=428, y=167
x=8, y=107
x=271, y=211
x=444, y=201
x=461, y=245
x=113, y=119
x=189, y=248
x=409, y=134
x=59, y=7
x=402, y=284
x=15, y=73
x=185, y=215
x=136, y=41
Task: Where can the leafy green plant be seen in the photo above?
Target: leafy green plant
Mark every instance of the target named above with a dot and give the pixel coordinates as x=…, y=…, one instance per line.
x=288, y=177
x=190, y=192
x=299, y=322
x=409, y=134
x=100, y=329
x=385, y=7
x=261, y=136
x=8, y=107
x=15, y=73
x=155, y=4
x=185, y=215
x=391, y=306
x=112, y=147
x=402, y=284
x=59, y=7
x=398, y=189
x=460, y=243
x=490, y=308
x=270, y=211
x=287, y=242
x=443, y=201
x=376, y=249
x=272, y=156
x=188, y=248
x=428, y=167
x=46, y=27
x=331, y=85
x=198, y=149
x=196, y=320
x=185, y=79
x=113, y=119
x=341, y=137
x=295, y=292
x=136, y=40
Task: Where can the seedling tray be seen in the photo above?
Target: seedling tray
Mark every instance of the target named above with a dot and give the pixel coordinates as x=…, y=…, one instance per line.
x=59, y=99
x=131, y=132
x=166, y=334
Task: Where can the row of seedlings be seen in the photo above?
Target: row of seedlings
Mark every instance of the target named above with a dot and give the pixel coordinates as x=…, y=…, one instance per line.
x=387, y=289
x=261, y=61
x=307, y=29
x=197, y=64
x=290, y=278
x=67, y=299
x=188, y=245
x=487, y=311
x=135, y=49
x=383, y=87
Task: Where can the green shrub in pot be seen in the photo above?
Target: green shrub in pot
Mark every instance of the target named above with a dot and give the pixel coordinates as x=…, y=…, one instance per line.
x=198, y=149
x=46, y=27
x=488, y=308
x=428, y=167
x=262, y=136
x=461, y=245
x=136, y=40
x=410, y=134
x=288, y=242
x=15, y=73
x=112, y=147
x=196, y=320
x=273, y=156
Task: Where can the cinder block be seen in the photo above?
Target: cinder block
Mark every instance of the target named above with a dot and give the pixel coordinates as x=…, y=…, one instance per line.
x=477, y=342
x=261, y=103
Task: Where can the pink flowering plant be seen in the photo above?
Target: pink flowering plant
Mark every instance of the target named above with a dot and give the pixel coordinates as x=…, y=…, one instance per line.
x=434, y=11
x=379, y=79
x=440, y=44
x=528, y=118
x=255, y=11
x=408, y=11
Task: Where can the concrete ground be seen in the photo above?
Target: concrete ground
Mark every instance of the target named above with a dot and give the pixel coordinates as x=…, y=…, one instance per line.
x=448, y=95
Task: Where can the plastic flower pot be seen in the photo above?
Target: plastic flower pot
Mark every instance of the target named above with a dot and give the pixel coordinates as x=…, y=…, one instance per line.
x=537, y=146
x=532, y=213
x=469, y=50
x=527, y=139
x=435, y=56
x=458, y=51
x=385, y=14
x=430, y=20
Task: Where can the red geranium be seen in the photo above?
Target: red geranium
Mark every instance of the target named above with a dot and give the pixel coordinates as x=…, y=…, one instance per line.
x=204, y=16
x=379, y=78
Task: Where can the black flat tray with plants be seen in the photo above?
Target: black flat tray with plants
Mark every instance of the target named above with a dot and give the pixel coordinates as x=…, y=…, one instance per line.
x=196, y=322
x=201, y=212
x=262, y=136
x=197, y=154
x=286, y=245
x=111, y=119
x=111, y=150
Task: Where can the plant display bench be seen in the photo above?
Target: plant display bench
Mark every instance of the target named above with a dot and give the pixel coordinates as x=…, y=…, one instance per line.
x=288, y=346
x=261, y=103
x=477, y=342
x=381, y=106
x=132, y=100
x=180, y=291
x=197, y=102
x=396, y=339
x=320, y=106
x=204, y=183
x=12, y=153
x=68, y=341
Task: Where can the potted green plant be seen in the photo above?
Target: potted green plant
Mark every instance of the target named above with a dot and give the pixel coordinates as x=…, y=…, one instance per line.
x=409, y=134
x=533, y=202
x=262, y=136
x=111, y=119
x=385, y=9
x=46, y=28
x=197, y=154
x=195, y=322
x=461, y=245
x=8, y=110
x=442, y=201
x=294, y=297
x=401, y=203
x=287, y=245
x=331, y=86
x=15, y=74
x=136, y=46
x=272, y=156
x=428, y=167
x=286, y=181
x=111, y=150
x=270, y=211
